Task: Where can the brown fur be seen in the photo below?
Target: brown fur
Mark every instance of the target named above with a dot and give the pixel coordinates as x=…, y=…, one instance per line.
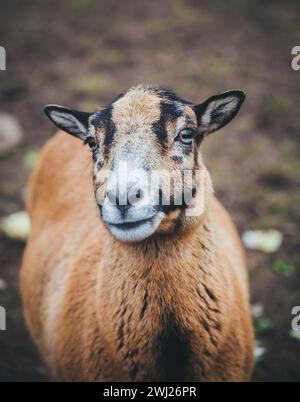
x=174, y=307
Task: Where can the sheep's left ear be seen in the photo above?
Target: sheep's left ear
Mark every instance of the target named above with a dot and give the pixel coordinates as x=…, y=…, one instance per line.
x=69, y=120
x=218, y=110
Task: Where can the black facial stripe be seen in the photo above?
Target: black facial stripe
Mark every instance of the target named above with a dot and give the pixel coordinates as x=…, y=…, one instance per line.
x=177, y=159
x=94, y=156
x=104, y=121
x=179, y=203
x=178, y=223
x=167, y=209
x=109, y=136
x=99, y=164
x=190, y=122
x=118, y=97
x=176, y=203
x=187, y=150
x=169, y=94
x=169, y=111
x=199, y=138
x=96, y=119
x=160, y=132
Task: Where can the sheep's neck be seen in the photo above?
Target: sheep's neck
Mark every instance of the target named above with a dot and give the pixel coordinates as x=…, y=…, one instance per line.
x=160, y=265
x=159, y=294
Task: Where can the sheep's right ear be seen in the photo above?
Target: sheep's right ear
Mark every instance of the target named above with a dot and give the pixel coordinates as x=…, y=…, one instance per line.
x=71, y=121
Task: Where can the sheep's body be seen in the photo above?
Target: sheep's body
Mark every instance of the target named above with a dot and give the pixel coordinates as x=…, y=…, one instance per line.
x=171, y=308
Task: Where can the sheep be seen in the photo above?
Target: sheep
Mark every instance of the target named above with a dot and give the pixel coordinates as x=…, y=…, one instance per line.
x=115, y=290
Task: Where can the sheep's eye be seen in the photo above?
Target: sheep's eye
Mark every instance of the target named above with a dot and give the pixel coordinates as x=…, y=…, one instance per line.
x=186, y=136
x=91, y=143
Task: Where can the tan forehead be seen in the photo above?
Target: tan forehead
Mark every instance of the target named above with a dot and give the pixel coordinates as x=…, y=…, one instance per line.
x=141, y=107
x=137, y=104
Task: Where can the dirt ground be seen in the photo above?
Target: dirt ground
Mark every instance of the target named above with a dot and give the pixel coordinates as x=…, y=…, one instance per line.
x=82, y=53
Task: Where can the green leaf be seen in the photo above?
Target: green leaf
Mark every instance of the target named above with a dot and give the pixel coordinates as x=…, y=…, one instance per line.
x=283, y=268
x=263, y=324
x=30, y=158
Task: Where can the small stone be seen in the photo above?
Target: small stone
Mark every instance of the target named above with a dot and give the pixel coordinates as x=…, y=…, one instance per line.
x=16, y=226
x=3, y=284
x=295, y=333
x=257, y=310
x=259, y=351
x=10, y=132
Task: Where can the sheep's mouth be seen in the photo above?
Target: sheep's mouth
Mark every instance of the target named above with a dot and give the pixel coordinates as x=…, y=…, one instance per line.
x=131, y=225
x=134, y=231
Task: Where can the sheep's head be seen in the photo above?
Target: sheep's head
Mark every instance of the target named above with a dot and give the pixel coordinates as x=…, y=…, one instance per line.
x=148, y=173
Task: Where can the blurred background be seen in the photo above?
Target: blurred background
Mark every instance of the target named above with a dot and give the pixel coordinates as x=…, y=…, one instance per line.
x=82, y=53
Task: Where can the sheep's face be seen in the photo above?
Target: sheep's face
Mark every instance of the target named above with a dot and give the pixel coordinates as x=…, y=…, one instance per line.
x=148, y=172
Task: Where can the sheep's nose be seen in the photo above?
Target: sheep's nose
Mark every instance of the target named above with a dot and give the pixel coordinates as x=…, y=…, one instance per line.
x=123, y=200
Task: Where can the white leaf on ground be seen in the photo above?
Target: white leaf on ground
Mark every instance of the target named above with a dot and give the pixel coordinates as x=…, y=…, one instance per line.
x=267, y=241
x=16, y=225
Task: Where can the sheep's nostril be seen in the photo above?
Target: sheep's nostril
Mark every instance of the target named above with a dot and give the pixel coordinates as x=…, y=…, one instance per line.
x=139, y=194
x=135, y=195
x=112, y=197
x=132, y=197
